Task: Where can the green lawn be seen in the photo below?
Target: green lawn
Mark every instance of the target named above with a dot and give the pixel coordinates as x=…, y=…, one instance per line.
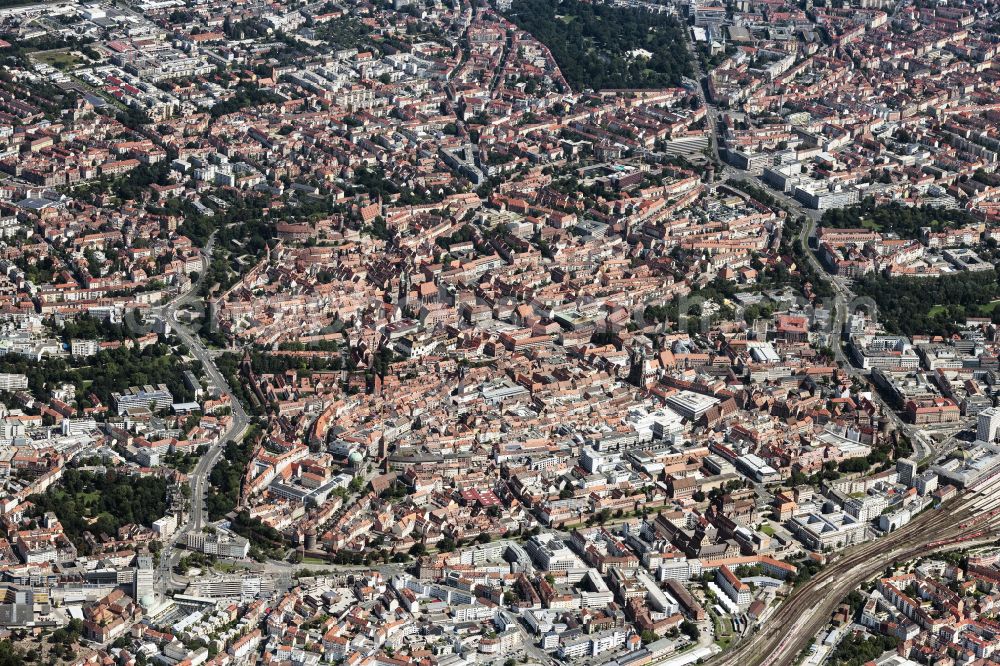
x=59, y=58
x=723, y=630
x=84, y=500
x=228, y=567
x=988, y=308
x=984, y=310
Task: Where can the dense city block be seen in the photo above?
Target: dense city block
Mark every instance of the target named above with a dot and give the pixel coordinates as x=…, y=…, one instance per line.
x=487, y=333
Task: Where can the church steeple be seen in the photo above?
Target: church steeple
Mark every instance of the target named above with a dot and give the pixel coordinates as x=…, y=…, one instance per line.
x=404, y=286
x=637, y=373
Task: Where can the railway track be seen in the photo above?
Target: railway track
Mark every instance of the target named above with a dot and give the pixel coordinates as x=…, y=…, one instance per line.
x=973, y=515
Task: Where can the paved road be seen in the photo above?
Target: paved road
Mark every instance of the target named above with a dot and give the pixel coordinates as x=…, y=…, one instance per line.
x=844, y=301
x=711, y=110
x=198, y=479
x=925, y=448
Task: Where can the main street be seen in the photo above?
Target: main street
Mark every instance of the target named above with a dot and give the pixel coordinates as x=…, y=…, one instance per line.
x=844, y=301
x=195, y=519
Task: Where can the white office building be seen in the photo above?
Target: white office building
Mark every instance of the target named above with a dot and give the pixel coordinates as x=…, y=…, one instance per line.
x=987, y=424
